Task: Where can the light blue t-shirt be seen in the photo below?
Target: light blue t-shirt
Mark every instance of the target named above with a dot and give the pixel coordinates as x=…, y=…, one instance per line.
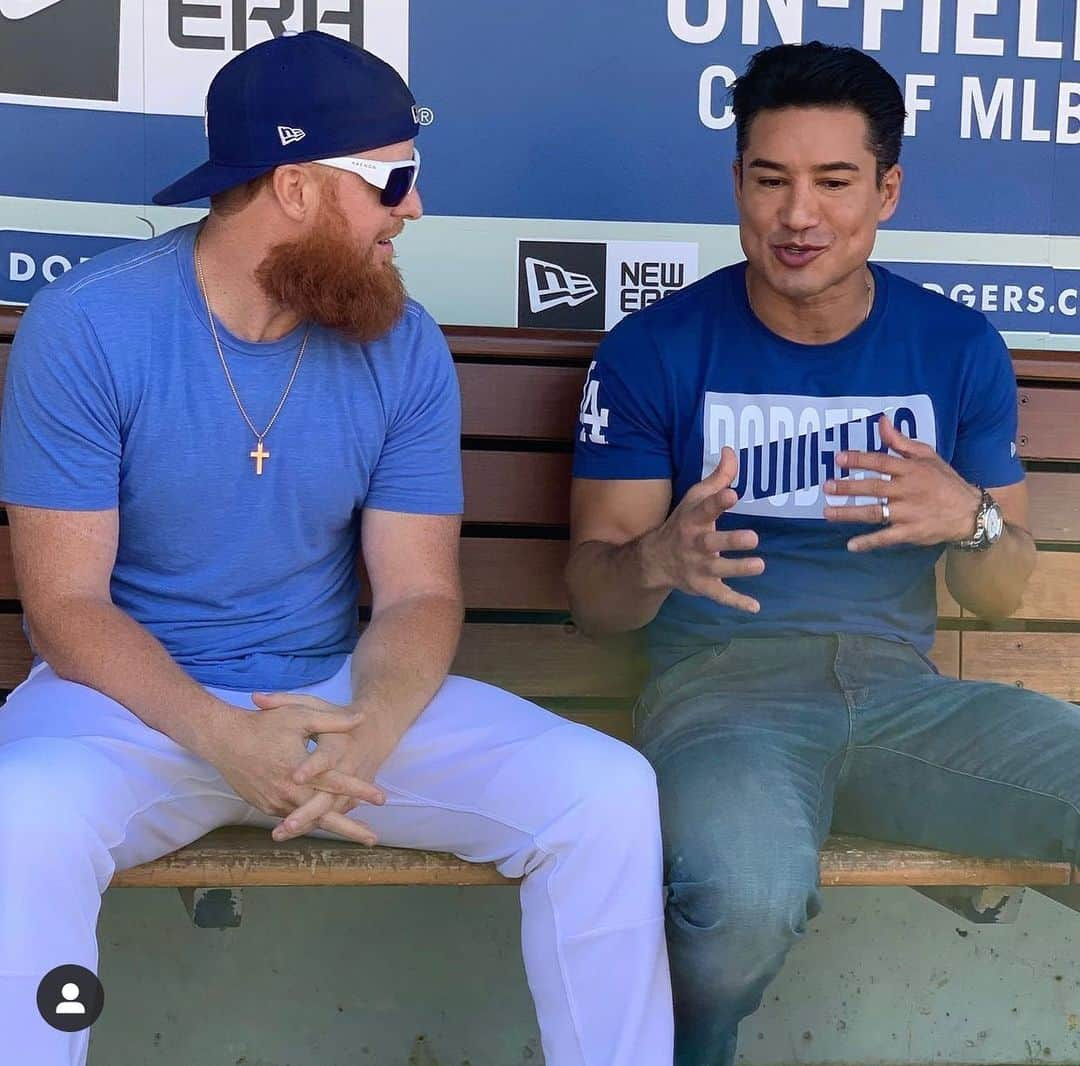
x=116, y=397
x=673, y=384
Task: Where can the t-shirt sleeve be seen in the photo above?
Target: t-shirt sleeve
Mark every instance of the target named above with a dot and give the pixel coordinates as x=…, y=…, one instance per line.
x=985, y=452
x=624, y=418
x=60, y=434
x=419, y=468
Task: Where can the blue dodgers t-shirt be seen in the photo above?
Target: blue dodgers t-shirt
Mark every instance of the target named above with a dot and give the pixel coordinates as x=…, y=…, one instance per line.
x=116, y=398
x=673, y=384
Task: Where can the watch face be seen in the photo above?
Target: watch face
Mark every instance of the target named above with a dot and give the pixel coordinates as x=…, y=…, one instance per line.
x=994, y=522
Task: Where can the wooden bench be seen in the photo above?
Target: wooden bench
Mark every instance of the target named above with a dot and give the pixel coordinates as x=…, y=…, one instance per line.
x=521, y=391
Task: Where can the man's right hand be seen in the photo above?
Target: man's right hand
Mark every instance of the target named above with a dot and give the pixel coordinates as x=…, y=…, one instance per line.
x=258, y=752
x=687, y=552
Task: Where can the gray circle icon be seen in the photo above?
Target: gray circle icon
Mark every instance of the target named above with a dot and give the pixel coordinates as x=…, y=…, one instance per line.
x=70, y=998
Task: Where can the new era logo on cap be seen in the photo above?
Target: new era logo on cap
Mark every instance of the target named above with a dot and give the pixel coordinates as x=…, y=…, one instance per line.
x=290, y=135
x=551, y=285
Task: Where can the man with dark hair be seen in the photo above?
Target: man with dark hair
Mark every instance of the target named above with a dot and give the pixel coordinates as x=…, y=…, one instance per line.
x=199, y=433
x=785, y=450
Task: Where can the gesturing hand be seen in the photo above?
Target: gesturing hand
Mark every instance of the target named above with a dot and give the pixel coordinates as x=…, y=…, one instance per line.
x=928, y=501
x=687, y=551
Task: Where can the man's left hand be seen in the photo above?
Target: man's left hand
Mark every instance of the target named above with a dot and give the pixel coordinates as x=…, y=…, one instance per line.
x=338, y=757
x=928, y=502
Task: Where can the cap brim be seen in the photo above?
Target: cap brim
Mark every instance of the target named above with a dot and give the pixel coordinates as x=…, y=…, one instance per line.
x=206, y=180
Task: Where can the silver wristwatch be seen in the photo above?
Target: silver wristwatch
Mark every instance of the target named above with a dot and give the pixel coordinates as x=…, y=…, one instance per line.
x=989, y=525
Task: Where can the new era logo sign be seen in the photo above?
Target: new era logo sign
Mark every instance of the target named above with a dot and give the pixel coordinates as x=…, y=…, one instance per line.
x=290, y=135
x=551, y=286
x=561, y=284
x=21, y=9
x=61, y=49
x=594, y=284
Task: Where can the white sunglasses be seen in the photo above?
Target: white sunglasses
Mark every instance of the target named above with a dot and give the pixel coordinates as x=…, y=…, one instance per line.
x=395, y=179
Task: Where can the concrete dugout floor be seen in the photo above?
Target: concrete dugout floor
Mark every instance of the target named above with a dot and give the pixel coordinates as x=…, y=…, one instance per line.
x=433, y=977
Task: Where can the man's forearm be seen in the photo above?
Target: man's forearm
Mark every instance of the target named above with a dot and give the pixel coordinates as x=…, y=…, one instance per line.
x=401, y=660
x=991, y=584
x=96, y=644
x=615, y=588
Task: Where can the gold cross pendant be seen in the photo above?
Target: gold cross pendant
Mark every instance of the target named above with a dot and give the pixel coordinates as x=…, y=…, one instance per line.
x=259, y=455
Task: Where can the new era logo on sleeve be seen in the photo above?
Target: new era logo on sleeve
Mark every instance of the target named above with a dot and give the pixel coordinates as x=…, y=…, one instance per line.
x=290, y=135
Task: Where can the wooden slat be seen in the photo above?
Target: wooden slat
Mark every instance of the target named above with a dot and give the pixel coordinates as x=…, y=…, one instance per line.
x=1045, y=662
x=9, y=321
x=1048, y=423
x=514, y=574
x=499, y=343
x=238, y=856
x=854, y=861
x=1055, y=506
x=530, y=402
x=242, y=857
x=527, y=575
x=533, y=660
x=551, y=661
x=1034, y=365
x=533, y=488
x=1053, y=593
x=945, y=653
x=517, y=487
x=14, y=651
x=8, y=589
x=536, y=402
x=504, y=344
x=508, y=575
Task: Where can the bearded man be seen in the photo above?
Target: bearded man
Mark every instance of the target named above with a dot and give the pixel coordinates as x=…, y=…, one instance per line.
x=199, y=433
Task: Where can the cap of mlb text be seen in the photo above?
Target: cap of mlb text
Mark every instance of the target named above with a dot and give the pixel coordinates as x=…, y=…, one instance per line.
x=293, y=99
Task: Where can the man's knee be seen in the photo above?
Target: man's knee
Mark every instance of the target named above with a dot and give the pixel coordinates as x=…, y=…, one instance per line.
x=730, y=926
x=611, y=789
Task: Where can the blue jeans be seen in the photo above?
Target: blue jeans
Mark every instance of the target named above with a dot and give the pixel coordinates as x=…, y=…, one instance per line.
x=763, y=745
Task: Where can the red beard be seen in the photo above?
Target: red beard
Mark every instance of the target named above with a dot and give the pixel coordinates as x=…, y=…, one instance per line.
x=325, y=278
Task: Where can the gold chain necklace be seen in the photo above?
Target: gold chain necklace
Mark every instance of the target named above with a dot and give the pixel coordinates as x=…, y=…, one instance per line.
x=259, y=454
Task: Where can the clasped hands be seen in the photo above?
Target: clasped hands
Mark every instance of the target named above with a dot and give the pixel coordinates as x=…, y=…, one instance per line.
x=264, y=756
x=928, y=503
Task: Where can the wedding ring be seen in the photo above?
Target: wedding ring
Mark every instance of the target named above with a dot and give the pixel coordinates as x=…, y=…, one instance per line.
x=885, y=516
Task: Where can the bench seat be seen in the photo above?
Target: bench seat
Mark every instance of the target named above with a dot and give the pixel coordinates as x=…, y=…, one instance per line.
x=239, y=857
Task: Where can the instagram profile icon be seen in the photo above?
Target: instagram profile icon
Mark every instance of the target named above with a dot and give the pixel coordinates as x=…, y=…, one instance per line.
x=70, y=998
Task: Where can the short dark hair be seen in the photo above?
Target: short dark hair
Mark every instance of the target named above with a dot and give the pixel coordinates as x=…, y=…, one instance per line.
x=822, y=75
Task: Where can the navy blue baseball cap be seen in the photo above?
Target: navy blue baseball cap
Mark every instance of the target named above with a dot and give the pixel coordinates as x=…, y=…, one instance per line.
x=293, y=99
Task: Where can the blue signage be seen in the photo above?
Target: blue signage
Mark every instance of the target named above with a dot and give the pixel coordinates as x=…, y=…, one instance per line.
x=29, y=260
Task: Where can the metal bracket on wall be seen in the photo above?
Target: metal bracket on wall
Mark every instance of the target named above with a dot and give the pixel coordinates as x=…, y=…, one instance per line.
x=981, y=904
x=213, y=908
x=1066, y=895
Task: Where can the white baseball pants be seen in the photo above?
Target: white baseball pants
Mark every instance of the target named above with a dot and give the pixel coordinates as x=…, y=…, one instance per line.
x=87, y=788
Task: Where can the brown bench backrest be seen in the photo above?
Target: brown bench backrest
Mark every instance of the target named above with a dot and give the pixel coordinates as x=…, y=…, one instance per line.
x=520, y=395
